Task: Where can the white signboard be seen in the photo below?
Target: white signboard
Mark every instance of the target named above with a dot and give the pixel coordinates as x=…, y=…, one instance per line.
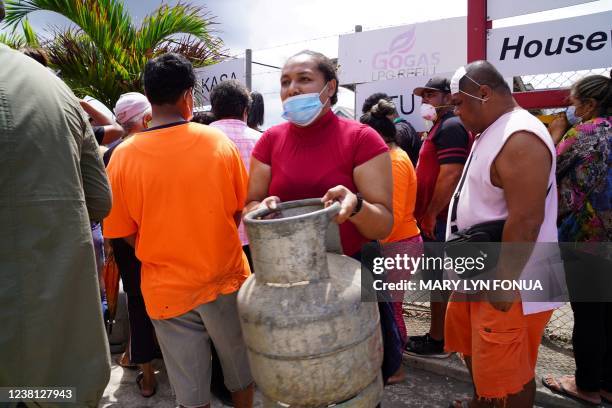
x=208, y=77
x=554, y=46
x=417, y=50
x=497, y=9
x=400, y=91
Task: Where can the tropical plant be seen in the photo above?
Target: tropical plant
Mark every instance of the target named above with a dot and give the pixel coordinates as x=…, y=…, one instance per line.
x=15, y=39
x=103, y=54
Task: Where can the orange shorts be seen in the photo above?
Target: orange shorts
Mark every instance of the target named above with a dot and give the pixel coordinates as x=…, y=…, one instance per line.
x=503, y=345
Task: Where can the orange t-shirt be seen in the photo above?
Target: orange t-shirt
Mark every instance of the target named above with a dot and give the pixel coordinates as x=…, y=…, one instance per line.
x=178, y=188
x=404, y=197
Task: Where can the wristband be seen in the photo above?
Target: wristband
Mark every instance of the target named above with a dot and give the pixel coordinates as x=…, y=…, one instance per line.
x=358, y=206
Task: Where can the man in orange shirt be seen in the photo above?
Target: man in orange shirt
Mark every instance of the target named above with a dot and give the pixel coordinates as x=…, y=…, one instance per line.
x=179, y=189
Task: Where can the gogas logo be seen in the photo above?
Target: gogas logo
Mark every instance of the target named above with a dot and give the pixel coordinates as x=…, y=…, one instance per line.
x=399, y=61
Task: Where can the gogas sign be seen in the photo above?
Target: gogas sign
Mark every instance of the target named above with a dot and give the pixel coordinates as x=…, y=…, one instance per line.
x=422, y=49
x=400, y=90
x=208, y=77
x=399, y=60
x=555, y=46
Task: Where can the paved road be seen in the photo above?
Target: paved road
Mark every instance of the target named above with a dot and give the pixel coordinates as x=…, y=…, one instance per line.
x=421, y=389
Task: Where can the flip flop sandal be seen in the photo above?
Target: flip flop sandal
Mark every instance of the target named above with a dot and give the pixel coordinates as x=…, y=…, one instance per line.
x=562, y=391
x=139, y=378
x=128, y=366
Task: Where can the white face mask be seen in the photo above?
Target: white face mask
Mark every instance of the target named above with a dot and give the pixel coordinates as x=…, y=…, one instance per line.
x=428, y=112
x=454, y=85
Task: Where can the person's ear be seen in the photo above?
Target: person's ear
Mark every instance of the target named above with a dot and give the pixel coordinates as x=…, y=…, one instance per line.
x=188, y=94
x=331, y=88
x=146, y=118
x=589, y=107
x=447, y=99
x=485, y=92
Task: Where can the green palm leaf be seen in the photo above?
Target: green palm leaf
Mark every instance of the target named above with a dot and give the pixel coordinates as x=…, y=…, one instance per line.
x=105, y=21
x=12, y=39
x=27, y=38
x=197, y=51
x=167, y=21
x=103, y=54
x=29, y=35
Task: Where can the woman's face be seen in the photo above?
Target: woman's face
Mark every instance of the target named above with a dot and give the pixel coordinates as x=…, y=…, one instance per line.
x=300, y=75
x=586, y=109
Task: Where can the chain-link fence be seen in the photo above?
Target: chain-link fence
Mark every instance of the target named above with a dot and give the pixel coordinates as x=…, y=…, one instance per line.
x=559, y=79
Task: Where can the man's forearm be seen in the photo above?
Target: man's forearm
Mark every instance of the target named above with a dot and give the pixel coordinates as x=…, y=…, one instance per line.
x=443, y=191
x=518, y=240
x=98, y=117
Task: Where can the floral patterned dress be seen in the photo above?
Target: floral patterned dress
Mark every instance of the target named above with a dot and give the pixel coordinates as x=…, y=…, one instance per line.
x=584, y=179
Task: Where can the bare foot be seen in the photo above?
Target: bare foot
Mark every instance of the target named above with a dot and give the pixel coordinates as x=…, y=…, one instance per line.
x=147, y=384
x=398, y=377
x=566, y=385
x=607, y=396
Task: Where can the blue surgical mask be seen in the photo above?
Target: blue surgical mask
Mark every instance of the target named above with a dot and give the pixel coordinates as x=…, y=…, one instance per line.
x=302, y=110
x=570, y=114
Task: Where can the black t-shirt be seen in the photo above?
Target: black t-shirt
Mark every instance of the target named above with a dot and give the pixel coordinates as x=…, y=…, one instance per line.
x=452, y=141
x=408, y=139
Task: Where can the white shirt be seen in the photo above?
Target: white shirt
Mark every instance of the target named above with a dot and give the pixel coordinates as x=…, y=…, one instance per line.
x=481, y=201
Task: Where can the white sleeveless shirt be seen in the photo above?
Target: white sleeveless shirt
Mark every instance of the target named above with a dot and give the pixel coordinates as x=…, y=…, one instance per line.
x=480, y=201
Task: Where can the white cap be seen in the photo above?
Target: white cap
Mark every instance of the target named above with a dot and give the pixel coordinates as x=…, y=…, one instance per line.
x=129, y=105
x=454, y=83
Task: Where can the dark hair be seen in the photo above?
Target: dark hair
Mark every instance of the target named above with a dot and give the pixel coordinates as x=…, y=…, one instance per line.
x=167, y=77
x=204, y=118
x=37, y=54
x=256, y=111
x=373, y=100
x=326, y=66
x=229, y=99
x=598, y=88
x=377, y=119
x=485, y=73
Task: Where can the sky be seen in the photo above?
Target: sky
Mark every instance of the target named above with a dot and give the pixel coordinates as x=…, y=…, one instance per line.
x=277, y=29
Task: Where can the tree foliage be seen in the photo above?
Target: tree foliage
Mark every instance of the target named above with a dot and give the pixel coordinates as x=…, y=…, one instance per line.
x=103, y=53
x=26, y=38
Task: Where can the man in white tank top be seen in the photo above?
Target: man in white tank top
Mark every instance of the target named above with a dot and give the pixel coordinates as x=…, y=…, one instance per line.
x=511, y=177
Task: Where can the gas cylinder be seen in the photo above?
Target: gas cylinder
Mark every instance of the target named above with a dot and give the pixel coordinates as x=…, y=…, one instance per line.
x=311, y=341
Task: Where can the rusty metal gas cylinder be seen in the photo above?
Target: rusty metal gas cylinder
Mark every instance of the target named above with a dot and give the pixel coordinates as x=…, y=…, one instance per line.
x=311, y=341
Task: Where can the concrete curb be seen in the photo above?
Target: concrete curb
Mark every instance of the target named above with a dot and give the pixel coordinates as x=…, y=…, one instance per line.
x=453, y=367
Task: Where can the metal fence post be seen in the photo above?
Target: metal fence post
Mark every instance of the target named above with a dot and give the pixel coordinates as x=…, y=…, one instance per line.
x=248, y=68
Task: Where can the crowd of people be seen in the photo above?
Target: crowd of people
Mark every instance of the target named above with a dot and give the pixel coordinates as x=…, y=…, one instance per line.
x=162, y=192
